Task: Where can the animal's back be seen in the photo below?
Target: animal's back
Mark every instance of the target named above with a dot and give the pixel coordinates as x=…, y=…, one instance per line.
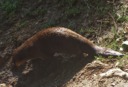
x=65, y=39
x=47, y=42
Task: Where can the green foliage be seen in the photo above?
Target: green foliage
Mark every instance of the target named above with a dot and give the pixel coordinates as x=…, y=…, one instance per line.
x=123, y=19
x=100, y=58
x=39, y=11
x=48, y=23
x=21, y=24
x=122, y=15
x=68, y=3
x=123, y=61
x=70, y=12
x=9, y=6
x=112, y=42
x=36, y=12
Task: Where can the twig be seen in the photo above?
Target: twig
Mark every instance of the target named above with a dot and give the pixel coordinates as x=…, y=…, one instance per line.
x=114, y=21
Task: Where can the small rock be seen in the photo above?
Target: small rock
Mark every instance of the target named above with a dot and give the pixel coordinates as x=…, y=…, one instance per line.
x=121, y=49
x=125, y=46
x=3, y=85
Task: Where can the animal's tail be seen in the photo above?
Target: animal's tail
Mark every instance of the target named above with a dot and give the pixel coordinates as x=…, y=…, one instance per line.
x=107, y=52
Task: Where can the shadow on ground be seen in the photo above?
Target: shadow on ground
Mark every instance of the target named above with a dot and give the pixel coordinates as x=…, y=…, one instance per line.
x=50, y=73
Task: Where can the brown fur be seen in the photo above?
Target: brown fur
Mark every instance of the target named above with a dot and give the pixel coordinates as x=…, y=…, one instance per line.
x=47, y=42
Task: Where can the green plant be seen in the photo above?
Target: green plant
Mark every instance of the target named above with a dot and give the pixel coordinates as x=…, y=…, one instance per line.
x=68, y=3
x=36, y=12
x=123, y=19
x=9, y=6
x=73, y=11
x=100, y=58
x=122, y=15
x=22, y=24
x=122, y=61
x=112, y=42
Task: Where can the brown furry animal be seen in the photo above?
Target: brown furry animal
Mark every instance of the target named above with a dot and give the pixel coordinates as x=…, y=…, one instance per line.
x=47, y=42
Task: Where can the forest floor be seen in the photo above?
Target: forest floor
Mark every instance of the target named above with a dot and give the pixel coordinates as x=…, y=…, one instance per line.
x=103, y=22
